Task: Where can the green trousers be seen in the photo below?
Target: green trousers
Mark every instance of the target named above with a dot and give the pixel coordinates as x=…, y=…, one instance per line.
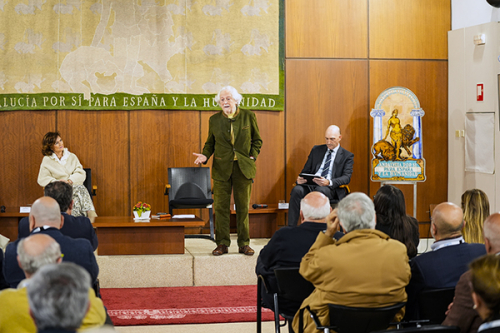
x=241, y=187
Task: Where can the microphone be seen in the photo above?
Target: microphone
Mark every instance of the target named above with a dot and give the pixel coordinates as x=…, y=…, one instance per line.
x=255, y=206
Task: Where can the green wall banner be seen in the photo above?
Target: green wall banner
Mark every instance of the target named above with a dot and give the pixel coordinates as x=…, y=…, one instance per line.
x=137, y=54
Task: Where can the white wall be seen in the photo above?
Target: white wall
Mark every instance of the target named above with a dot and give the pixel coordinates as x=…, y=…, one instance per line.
x=468, y=13
x=469, y=64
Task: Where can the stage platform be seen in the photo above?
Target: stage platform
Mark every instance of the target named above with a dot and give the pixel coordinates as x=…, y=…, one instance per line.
x=196, y=267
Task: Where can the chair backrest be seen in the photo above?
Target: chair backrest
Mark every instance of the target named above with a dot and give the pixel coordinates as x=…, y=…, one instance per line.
x=189, y=183
x=292, y=285
x=425, y=328
x=88, y=180
x=433, y=304
x=346, y=319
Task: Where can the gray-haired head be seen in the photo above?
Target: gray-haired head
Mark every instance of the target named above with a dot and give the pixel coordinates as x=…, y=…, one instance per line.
x=62, y=192
x=356, y=211
x=236, y=95
x=58, y=296
x=315, y=206
x=36, y=251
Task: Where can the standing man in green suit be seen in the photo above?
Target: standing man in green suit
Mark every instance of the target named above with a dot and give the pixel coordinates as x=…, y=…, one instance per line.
x=234, y=140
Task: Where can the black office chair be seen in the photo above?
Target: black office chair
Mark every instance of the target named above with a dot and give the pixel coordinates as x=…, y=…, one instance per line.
x=292, y=286
x=88, y=183
x=426, y=328
x=345, y=319
x=433, y=304
x=190, y=188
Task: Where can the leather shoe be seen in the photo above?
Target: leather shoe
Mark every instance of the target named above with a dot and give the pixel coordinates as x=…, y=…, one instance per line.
x=220, y=250
x=246, y=250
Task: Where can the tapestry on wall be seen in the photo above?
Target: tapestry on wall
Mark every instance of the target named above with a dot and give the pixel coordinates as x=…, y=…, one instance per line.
x=397, y=137
x=140, y=54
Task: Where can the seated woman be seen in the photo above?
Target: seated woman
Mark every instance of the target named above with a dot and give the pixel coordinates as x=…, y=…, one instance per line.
x=59, y=164
x=392, y=219
x=476, y=209
x=485, y=277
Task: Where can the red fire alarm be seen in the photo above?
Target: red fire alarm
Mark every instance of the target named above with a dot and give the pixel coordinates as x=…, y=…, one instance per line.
x=480, y=92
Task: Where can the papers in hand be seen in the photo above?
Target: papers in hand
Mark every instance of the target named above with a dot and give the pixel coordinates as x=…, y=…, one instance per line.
x=184, y=216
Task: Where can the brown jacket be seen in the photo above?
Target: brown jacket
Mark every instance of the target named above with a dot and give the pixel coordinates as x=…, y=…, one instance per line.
x=365, y=268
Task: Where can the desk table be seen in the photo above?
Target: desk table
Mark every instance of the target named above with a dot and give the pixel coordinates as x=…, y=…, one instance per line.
x=121, y=235
x=263, y=222
x=9, y=222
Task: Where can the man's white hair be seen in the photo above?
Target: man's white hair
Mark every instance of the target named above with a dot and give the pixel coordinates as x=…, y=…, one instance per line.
x=315, y=213
x=356, y=211
x=236, y=95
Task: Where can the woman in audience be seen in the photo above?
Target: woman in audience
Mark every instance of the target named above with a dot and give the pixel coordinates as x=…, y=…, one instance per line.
x=476, y=209
x=485, y=277
x=59, y=164
x=392, y=219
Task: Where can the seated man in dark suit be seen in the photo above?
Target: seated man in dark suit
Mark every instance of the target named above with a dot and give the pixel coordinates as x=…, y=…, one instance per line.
x=45, y=217
x=289, y=244
x=74, y=227
x=448, y=260
x=332, y=166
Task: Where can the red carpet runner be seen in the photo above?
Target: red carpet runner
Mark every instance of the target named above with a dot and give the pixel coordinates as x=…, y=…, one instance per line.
x=182, y=305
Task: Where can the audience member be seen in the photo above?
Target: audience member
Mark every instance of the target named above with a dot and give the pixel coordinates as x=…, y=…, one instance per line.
x=34, y=252
x=365, y=268
x=448, y=260
x=289, y=244
x=476, y=209
x=74, y=226
x=485, y=279
x=392, y=219
x=461, y=312
x=45, y=218
x=58, y=297
x=332, y=166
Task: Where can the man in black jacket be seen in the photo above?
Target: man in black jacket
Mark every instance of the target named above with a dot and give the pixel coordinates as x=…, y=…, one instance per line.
x=332, y=166
x=45, y=218
x=289, y=244
x=74, y=227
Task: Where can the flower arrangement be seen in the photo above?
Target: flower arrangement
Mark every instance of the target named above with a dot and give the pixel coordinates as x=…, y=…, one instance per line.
x=141, y=207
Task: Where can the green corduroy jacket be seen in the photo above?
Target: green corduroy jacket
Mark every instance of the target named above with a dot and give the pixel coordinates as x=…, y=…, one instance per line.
x=247, y=142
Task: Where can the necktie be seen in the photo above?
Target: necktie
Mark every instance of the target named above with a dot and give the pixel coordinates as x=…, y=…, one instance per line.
x=326, y=169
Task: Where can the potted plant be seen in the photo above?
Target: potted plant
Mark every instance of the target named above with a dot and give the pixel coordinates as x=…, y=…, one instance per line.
x=142, y=210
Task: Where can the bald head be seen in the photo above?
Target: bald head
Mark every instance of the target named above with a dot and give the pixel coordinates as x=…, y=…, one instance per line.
x=447, y=221
x=491, y=231
x=332, y=136
x=314, y=207
x=35, y=251
x=45, y=211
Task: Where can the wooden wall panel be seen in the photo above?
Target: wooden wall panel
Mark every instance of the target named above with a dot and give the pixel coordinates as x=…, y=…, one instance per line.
x=21, y=134
x=326, y=29
x=320, y=93
x=100, y=139
x=410, y=29
x=159, y=140
x=269, y=186
x=429, y=81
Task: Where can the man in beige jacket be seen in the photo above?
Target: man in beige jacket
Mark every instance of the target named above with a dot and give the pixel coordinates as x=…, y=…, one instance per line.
x=365, y=268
